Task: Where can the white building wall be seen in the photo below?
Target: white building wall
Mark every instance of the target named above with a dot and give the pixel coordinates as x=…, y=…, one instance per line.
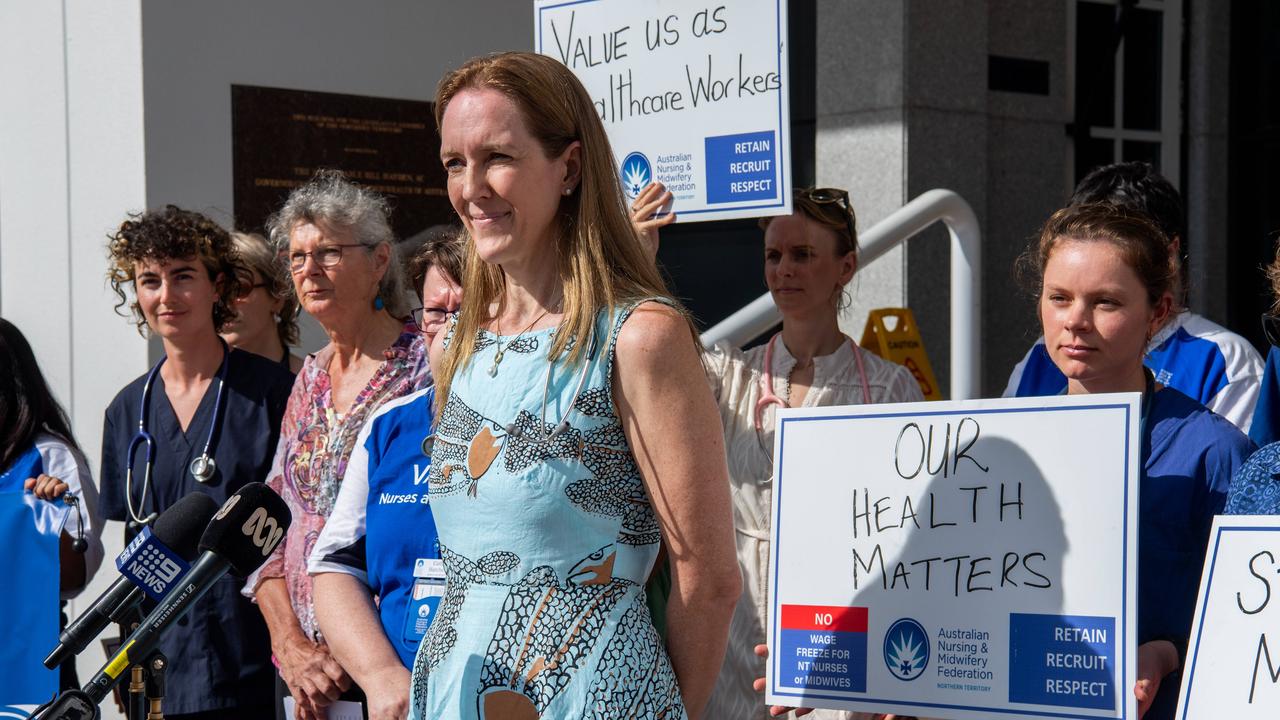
x=110, y=107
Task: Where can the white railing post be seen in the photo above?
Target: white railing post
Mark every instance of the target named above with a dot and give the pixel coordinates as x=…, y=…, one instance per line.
x=966, y=283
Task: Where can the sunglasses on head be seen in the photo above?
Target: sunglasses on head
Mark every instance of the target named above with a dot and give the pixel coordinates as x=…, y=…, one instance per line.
x=830, y=196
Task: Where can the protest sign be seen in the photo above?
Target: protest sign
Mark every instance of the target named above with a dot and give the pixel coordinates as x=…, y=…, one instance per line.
x=1233, y=658
x=968, y=559
x=692, y=94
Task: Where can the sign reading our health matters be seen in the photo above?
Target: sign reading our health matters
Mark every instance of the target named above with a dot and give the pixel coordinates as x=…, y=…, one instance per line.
x=693, y=95
x=957, y=559
x=1233, y=659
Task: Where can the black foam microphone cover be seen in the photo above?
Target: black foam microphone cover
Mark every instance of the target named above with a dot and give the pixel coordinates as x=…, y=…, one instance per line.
x=178, y=528
x=248, y=528
x=183, y=523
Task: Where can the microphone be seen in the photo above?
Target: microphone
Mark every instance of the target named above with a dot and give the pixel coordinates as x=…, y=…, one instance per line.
x=176, y=535
x=241, y=536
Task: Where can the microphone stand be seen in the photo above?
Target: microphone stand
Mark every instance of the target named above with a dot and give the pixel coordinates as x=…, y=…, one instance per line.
x=155, y=685
x=147, y=688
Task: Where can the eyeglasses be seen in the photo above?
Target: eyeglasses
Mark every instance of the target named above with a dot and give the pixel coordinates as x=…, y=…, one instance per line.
x=326, y=257
x=425, y=316
x=1271, y=328
x=830, y=196
x=247, y=289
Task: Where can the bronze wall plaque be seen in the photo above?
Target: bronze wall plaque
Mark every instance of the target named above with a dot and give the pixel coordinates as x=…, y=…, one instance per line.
x=281, y=137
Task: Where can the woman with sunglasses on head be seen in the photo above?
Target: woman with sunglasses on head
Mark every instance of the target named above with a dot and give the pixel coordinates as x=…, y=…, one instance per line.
x=337, y=240
x=809, y=258
x=204, y=419
x=376, y=565
x=266, y=320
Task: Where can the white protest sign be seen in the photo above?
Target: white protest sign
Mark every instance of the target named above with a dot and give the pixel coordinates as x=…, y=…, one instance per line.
x=692, y=94
x=1233, y=659
x=967, y=559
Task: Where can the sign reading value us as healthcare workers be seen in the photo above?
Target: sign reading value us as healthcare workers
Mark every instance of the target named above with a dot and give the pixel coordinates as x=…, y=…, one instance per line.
x=692, y=94
x=968, y=559
x=1233, y=659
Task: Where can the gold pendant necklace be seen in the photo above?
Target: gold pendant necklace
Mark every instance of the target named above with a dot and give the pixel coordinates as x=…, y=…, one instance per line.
x=497, y=356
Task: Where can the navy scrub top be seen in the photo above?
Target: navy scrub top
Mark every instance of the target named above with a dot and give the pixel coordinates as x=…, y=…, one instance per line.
x=219, y=652
x=1189, y=456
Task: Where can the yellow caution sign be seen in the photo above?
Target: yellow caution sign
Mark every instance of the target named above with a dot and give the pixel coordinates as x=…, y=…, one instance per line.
x=892, y=334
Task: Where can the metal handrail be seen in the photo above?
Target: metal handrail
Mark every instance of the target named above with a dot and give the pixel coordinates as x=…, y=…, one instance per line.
x=966, y=283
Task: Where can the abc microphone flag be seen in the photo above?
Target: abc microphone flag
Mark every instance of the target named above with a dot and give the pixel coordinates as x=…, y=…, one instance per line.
x=150, y=563
x=239, y=538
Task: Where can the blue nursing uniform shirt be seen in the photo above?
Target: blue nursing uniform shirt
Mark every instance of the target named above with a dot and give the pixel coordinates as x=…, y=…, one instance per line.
x=381, y=529
x=219, y=652
x=1189, y=457
x=1199, y=358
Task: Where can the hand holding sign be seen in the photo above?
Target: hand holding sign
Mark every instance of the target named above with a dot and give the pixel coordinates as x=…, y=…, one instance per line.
x=647, y=217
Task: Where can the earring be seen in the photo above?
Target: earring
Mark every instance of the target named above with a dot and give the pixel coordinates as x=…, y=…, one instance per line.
x=568, y=191
x=377, y=303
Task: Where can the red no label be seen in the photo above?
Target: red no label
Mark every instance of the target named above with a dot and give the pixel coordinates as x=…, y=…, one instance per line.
x=832, y=618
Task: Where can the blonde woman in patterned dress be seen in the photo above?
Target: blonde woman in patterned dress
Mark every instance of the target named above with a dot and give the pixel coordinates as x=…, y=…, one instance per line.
x=809, y=258
x=576, y=431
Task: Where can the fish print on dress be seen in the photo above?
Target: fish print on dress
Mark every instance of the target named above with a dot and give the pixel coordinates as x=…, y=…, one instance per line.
x=462, y=573
x=531, y=631
x=635, y=683
x=545, y=632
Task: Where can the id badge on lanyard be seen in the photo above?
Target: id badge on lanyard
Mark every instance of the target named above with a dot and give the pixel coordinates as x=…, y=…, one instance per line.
x=424, y=601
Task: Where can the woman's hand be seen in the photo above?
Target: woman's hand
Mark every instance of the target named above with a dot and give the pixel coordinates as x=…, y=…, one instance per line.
x=314, y=678
x=388, y=694
x=45, y=487
x=1156, y=659
x=759, y=684
x=643, y=210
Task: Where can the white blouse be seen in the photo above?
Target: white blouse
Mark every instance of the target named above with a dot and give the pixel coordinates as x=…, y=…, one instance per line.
x=735, y=377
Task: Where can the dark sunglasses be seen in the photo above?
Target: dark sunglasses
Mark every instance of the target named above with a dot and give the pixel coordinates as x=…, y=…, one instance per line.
x=1271, y=328
x=831, y=196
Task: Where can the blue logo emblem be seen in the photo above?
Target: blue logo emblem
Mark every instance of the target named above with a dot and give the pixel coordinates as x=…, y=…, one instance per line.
x=906, y=649
x=636, y=174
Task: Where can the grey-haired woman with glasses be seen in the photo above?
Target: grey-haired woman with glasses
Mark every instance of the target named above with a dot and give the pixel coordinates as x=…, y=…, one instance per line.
x=339, y=248
x=809, y=258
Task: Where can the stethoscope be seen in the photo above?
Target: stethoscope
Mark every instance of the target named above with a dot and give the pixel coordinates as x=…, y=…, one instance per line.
x=543, y=435
x=769, y=397
x=202, y=468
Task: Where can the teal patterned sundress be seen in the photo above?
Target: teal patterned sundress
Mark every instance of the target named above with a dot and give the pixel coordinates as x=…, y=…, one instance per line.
x=546, y=546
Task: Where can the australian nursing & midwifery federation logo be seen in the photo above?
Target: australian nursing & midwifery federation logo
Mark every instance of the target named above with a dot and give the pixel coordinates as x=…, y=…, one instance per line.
x=906, y=649
x=636, y=174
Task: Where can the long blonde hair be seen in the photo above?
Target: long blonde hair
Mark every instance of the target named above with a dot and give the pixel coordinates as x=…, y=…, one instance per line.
x=600, y=259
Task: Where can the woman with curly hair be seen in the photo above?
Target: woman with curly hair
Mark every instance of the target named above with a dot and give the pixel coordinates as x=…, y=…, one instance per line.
x=205, y=419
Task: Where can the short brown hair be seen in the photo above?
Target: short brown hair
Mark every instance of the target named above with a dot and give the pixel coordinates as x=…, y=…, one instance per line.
x=173, y=234
x=1144, y=247
x=442, y=246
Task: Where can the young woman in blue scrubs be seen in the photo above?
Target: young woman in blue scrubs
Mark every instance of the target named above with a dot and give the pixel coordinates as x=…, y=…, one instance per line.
x=1104, y=287
x=380, y=541
x=204, y=419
